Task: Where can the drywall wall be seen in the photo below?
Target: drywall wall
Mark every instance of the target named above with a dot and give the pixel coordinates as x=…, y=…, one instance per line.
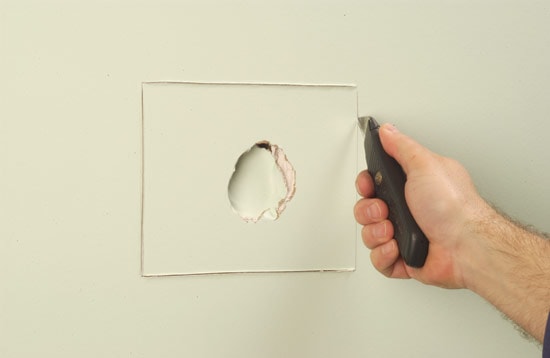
x=469, y=79
x=193, y=134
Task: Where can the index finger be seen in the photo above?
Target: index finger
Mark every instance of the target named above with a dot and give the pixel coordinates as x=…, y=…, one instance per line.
x=364, y=184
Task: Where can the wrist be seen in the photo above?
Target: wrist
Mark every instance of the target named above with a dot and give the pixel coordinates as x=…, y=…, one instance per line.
x=478, y=248
x=473, y=247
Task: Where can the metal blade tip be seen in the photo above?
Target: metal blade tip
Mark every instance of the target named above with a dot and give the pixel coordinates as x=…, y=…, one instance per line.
x=363, y=123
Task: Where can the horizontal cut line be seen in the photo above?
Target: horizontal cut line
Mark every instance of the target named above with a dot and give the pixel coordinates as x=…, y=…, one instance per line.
x=281, y=84
x=248, y=272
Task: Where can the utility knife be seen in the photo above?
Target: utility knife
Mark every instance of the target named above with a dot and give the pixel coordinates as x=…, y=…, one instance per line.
x=389, y=185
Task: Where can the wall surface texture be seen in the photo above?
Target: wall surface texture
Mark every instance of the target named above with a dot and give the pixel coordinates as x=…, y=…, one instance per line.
x=469, y=79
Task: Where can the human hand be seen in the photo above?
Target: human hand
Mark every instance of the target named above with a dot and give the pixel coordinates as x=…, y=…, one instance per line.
x=441, y=198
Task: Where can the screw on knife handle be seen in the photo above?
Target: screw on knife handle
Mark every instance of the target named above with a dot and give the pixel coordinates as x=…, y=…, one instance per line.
x=389, y=184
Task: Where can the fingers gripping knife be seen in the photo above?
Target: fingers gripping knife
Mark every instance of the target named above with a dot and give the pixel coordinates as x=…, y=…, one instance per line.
x=389, y=185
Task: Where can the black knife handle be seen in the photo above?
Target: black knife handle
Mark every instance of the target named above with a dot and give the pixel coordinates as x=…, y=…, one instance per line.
x=389, y=184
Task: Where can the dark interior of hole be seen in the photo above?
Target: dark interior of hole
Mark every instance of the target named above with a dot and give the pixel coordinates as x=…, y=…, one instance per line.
x=264, y=145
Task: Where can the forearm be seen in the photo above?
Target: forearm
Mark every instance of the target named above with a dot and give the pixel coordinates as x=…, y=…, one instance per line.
x=510, y=267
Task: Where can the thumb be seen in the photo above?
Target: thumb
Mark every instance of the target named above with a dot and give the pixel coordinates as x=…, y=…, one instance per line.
x=405, y=150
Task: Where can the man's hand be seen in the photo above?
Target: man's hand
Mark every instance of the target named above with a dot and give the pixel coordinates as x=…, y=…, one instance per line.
x=441, y=198
x=471, y=245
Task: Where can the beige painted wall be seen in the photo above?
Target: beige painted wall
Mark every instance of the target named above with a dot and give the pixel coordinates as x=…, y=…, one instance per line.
x=470, y=79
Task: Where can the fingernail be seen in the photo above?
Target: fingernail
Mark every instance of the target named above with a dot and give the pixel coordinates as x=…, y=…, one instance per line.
x=374, y=211
x=379, y=230
x=391, y=128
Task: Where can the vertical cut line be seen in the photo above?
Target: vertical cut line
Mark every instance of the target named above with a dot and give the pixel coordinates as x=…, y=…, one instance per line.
x=357, y=156
x=142, y=253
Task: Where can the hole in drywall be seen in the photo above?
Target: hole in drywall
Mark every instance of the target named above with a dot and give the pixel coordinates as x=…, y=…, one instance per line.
x=262, y=184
